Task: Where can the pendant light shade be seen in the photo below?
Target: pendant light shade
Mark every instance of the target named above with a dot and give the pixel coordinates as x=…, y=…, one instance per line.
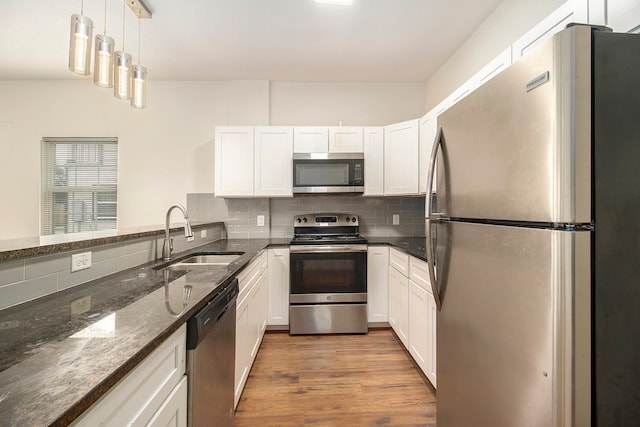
x=80, y=44
x=139, y=87
x=122, y=69
x=103, y=62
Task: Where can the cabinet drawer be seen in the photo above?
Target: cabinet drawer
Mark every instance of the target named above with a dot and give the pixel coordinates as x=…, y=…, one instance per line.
x=248, y=277
x=139, y=395
x=419, y=273
x=399, y=260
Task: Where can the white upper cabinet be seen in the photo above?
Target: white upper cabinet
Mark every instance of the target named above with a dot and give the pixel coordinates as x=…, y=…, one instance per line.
x=310, y=139
x=624, y=15
x=373, y=161
x=234, y=161
x=497, y=64
x=346, y=139
x=428, y=130
x=401, y=158
x=571, y=11
x=273, y=157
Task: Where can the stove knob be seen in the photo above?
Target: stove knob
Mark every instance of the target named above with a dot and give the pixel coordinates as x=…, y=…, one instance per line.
x=304, y=219
x=347, y=219
x=298, y=220
x=352, y=219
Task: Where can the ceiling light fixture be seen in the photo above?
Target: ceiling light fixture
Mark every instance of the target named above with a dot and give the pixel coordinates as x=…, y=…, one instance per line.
x=336, y=2
x=139, y=81
x=80, y=43
x=122, y=67
x=103, y=62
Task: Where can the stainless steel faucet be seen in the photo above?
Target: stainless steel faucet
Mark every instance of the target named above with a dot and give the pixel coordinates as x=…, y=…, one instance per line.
x=167, y=246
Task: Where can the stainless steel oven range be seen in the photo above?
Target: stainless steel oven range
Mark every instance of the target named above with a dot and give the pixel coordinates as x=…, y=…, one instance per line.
x=328, y=272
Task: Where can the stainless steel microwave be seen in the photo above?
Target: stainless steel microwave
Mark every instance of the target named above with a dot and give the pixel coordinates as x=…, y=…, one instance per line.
x=328, y=173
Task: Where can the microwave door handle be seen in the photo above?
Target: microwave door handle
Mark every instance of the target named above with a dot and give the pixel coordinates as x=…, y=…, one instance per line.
x=433, y=218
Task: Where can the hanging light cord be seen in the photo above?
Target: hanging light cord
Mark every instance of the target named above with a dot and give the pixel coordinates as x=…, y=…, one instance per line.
x=124, y=14
x=138, y=40
x=105, y=17
x=81, y=7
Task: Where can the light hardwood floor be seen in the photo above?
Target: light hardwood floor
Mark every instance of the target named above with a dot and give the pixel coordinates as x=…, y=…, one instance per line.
x=335, y=380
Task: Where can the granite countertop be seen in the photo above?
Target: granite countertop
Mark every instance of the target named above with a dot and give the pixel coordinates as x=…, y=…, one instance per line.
x=56, y=359
x=43, y=245
x=55, y=363
x=414, y=246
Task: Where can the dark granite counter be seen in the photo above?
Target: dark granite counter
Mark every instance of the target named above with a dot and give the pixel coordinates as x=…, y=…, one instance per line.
x=414, y=246
x=60, y=353
x=44, y=245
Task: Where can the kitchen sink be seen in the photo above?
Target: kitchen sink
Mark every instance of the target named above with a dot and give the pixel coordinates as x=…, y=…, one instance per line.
x=205, y=260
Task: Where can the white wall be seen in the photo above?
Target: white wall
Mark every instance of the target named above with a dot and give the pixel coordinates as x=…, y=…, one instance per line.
x=325, y=104
x=507, y=23
x=166, y=150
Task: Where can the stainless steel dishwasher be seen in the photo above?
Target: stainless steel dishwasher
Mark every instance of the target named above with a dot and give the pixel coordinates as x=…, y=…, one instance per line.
x=211, y=348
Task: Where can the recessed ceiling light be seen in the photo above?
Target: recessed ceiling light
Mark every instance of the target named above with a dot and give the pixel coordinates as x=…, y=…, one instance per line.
x=336, y=2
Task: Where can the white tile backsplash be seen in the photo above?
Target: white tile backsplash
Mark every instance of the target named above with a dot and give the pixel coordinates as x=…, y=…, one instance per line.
x=35, y=277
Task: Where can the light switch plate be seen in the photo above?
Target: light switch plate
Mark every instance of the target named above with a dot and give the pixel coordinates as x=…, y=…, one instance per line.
x=203, y=234
x=260, y=220
x=396, y=219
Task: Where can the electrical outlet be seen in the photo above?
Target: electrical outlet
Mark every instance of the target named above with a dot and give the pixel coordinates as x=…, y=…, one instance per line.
x=396, y=219
x=260, y=220
x=80, y=261
x=203, y=234
x=80, y=305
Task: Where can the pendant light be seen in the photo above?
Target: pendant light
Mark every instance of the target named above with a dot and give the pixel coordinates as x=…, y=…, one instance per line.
x=122, y=68
x=80, y=43
x=139, y=81
x=103, y=61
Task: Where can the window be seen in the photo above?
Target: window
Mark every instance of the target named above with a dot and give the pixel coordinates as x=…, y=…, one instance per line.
x=79, y=185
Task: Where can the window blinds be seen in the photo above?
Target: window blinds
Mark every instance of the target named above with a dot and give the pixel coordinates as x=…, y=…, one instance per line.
x=79, y=185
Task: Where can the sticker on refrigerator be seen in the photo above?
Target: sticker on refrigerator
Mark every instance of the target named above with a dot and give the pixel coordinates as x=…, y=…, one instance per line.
x=537, y=81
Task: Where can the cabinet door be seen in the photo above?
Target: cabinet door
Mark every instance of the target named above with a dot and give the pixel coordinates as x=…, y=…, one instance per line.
x=173, y=412
x=273, y=165
x=257, y=316
x=418, y=325
x=234, y=161
x=242, y=348
x=310, y=139
x=137, y=397
x=497, y=64
x=278, y=284
x=431, y=340
x=373, y=161
x=428, y=131
x=571, y=11
x=378, y=284
x=623, y=15
x=398, y=304
x=401, y=158
x=345, y=139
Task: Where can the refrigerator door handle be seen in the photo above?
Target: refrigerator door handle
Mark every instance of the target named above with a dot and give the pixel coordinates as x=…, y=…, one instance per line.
x=433, y=218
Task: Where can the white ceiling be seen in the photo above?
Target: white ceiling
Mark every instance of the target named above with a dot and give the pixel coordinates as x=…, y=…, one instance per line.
x=279, y=40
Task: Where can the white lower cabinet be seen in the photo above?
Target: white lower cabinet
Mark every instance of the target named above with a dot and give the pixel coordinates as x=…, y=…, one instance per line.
x=399, y=304
x=412, y=309
x=151, y=393
x=251, y=319
x=278, y=285
x=378, y=284
x=173, y=412
x=418, y=335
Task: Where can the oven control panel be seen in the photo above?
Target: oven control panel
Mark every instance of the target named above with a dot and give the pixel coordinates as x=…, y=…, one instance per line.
x=325, y=220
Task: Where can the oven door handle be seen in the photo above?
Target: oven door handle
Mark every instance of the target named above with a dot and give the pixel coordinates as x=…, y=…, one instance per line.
x=318, y=249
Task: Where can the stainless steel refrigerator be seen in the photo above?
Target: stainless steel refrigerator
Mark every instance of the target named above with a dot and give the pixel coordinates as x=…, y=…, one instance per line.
x=535, y=236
